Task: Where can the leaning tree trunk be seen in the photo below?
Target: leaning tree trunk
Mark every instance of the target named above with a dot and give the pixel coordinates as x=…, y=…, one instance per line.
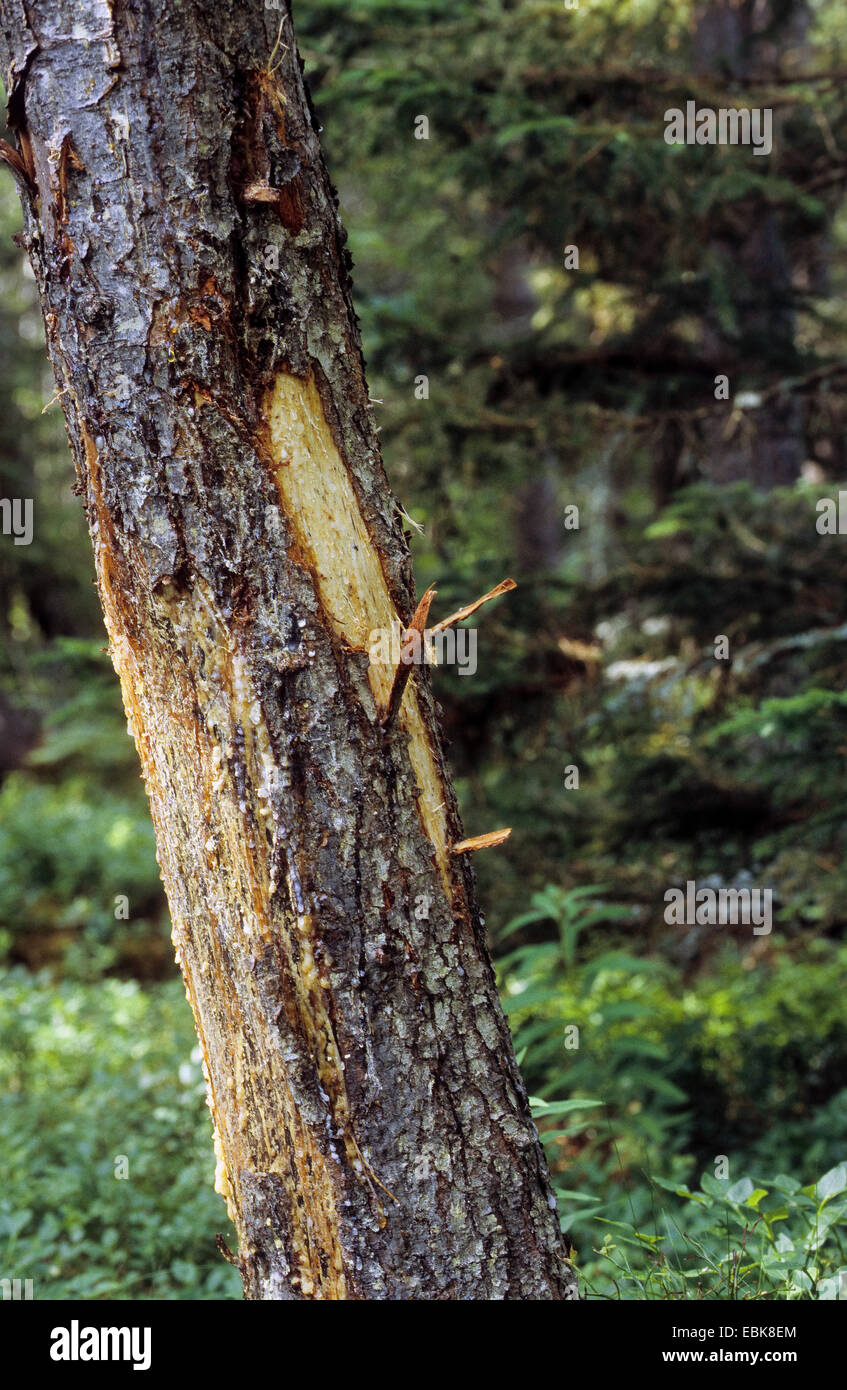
x=372, y=1131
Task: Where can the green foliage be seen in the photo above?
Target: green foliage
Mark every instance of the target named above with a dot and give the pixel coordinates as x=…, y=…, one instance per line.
x=69, y=856
x=90, y=1074
x=727, y=1241
x=660, y=1074
x=64, y=863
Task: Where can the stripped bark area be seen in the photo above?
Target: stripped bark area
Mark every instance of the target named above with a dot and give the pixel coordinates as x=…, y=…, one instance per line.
x=372, y=1131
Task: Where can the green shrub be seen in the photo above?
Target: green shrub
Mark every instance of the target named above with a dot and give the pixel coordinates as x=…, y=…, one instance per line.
x=66, y=856
x=659, y=1074
x=727, y=1241
x=90, y=1074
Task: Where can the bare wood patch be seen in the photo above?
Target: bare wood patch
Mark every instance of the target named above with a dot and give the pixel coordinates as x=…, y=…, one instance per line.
x=322, y=507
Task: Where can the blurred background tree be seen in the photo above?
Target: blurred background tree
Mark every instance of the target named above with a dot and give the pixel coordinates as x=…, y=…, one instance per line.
x=517, y=379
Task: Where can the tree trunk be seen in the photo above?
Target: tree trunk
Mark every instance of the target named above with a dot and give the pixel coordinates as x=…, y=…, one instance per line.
x=372, y=1131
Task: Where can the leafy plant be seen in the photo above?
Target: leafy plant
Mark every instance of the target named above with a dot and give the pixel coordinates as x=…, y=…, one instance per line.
x=105, y=1144
x=742, y=1240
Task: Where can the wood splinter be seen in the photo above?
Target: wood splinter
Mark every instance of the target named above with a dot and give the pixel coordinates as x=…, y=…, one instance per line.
x=18, y=166
x=227, y=1253
x=494, y=837
x=462, y=613
x=418, y=626
x=404, y=670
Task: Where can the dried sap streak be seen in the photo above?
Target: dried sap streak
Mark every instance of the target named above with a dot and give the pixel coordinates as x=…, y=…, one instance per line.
x=323, y=510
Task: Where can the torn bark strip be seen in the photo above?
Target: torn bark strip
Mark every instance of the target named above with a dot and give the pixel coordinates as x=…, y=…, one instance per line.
x=404, y=670
x=17, y=166
x=494, y=837
x=418, y=624
x=458, y=617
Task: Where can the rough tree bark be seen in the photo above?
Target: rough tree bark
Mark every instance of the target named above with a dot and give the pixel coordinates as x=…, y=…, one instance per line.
x=373, y=1134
